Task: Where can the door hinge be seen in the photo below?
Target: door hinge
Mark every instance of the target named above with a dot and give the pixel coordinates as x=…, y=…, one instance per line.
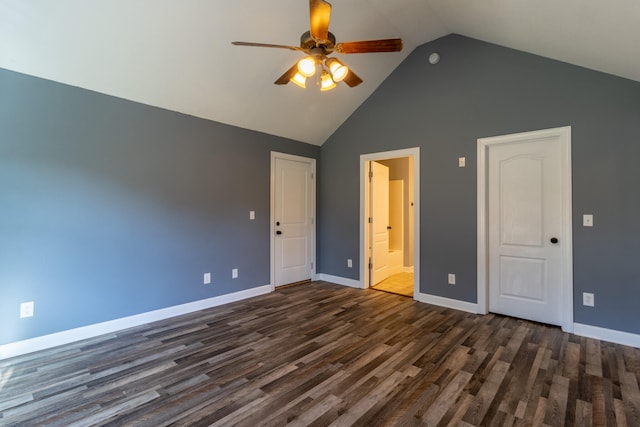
x=311, y=221
x=311, y=266
x=370, y=175
x=370, y=220
x=311, y=175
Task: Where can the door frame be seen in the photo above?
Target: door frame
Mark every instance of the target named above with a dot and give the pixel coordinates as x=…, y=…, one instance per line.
x=272, y=230
x=364, y=212
x=563, y=136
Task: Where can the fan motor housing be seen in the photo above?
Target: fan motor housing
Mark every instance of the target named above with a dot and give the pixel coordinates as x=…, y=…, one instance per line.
x=307, y=42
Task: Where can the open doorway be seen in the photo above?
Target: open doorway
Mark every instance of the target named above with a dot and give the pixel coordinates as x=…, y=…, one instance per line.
x=389, y=230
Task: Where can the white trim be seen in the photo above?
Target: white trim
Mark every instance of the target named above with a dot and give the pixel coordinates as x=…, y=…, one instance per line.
x=339, y=280
x=272, y=232
x=407, y=269
x=563, y=134
x=447, y=302
x=65, y=337
x=364, y=209
x=611, y=335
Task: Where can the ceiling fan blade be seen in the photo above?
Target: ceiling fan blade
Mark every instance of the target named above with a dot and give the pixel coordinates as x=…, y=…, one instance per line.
x=286, y=77
x=368, y=46
x=319, y=17
x=277, y=46
x=352, y=79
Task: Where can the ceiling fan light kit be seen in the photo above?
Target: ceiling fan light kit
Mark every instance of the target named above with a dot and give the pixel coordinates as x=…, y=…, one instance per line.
x=307, y=66
x=337, y=69
x=326, y=82
x=318, y=43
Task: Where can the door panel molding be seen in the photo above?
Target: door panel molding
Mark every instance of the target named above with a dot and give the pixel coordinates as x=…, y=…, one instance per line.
x=563, y=136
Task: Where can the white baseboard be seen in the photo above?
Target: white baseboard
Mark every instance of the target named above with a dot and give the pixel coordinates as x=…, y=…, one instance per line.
x=604, y=334
x=447, y=302
x=408, y=269
x=339, y=280
x=65, y=337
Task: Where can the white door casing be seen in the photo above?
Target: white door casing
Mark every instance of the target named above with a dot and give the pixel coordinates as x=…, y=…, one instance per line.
x=524, y=201
x=379, y=174
x=292, y=218
x=365, y=208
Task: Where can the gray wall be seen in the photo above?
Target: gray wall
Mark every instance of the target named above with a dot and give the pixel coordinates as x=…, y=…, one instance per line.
x=480, y=90
x=110, y=208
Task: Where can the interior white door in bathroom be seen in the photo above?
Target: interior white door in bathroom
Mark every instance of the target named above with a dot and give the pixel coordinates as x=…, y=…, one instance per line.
x=379, y=222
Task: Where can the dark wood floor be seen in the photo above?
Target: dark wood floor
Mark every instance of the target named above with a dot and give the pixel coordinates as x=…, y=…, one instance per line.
x=320, y=354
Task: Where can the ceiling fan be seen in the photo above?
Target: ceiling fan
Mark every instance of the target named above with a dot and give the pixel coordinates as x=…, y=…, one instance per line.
x=317, y=44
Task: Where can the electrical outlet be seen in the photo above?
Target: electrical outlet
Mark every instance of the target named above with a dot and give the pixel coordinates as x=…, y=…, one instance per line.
x=587, y=220
x=350, y=263
x=588, y=299
x=207, y=278
x=234, y=273
x=452, y=279
x=26, y=309
x=252, y=215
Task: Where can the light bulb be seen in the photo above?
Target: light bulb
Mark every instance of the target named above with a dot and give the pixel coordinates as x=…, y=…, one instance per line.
x=299, y=80
x=326, y=82
x=307, y=66
x=338, y=70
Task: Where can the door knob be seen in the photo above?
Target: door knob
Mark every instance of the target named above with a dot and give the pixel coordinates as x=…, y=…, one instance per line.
x=554, y=240
x=278, y=232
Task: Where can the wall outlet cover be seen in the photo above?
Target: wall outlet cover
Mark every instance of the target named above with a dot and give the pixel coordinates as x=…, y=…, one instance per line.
x=451, y=279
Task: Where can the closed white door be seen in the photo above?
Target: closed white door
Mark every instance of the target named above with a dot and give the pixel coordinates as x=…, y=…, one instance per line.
x=379, y=222
x=525, y=230
x=293, y=220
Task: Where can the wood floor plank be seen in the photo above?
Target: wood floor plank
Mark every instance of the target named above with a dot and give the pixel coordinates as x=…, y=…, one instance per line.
x=319, y=354
x=449, y=394
x=557, y=401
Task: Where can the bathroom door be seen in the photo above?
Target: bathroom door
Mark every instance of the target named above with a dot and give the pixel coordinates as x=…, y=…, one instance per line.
x=379, y=222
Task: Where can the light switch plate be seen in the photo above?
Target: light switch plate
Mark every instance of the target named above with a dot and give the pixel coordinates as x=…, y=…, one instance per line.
x=252, y=214
x=234, y=273
x=587, y=220
x=588, y=299
x=26, y=309
x=462, y=162
x=451, y=279
x=207, y=278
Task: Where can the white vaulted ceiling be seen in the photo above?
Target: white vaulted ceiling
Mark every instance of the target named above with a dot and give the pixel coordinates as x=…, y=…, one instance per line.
x=178, y=54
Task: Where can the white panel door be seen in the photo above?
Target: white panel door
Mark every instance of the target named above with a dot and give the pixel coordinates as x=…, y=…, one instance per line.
x=293, y=218
x=525, y=226
x=379, y=222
